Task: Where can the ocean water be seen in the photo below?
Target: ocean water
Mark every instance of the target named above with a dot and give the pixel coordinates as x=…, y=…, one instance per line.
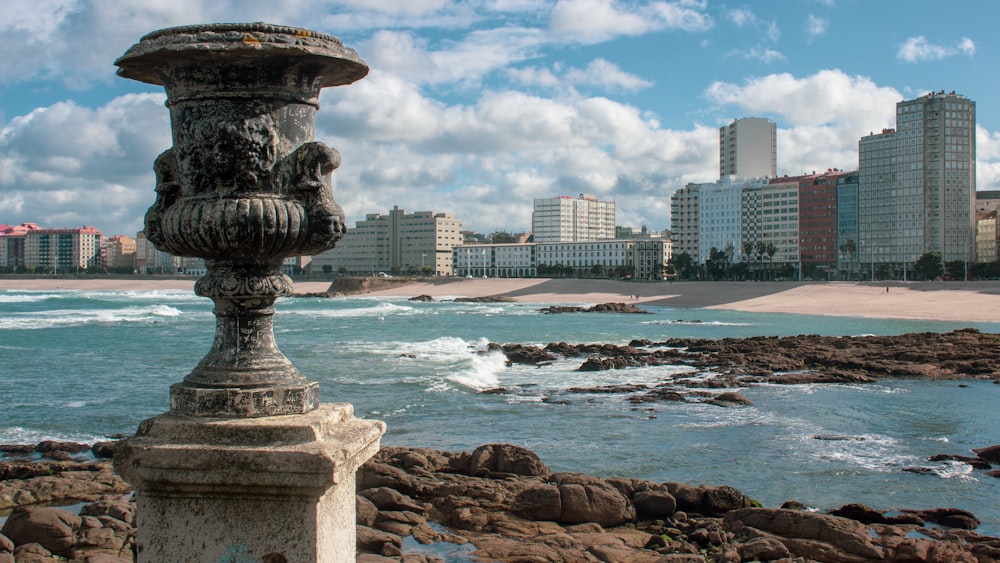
x=77, y=365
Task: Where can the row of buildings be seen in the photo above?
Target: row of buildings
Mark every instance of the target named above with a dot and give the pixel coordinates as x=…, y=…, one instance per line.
x=914, y=192
x=570, y=236
x=28, y=247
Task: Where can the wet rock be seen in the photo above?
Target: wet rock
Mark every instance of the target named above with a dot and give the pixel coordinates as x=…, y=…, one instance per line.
x=950, y=517
x=990, y=453
x=422, y=298
x=730, y=399
x=975, y=462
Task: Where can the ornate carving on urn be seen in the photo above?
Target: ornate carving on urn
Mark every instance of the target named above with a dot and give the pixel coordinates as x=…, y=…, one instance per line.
x=244, y=187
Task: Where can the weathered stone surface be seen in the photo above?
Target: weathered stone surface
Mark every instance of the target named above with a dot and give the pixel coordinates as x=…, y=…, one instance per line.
x=655, y=504
x=499, y=459
x=589, y=499
x=52, y=528
x=808, y=534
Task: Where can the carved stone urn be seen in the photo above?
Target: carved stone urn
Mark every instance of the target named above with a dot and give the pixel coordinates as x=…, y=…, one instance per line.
x=244, y=187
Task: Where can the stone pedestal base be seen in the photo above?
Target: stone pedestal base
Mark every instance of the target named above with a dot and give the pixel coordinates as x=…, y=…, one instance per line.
x=275, y=489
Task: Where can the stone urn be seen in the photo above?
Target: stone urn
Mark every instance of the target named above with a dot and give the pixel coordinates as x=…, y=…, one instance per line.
x=244, y=187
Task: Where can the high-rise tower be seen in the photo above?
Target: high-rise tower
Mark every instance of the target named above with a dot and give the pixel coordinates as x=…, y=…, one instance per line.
x=917, y=183
x=748, y=148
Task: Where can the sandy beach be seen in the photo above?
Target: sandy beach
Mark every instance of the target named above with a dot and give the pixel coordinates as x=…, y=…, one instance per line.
x=951, y=301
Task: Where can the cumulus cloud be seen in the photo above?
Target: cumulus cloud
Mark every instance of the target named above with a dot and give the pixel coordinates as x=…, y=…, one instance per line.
x=600, y=73
x=825, y=113
x=594, y=21
x=917, y=49
x=69, y=165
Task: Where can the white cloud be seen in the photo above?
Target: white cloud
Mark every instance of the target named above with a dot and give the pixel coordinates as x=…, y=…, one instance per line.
x=68, y=165
x=825, y=114
x=600, y=73
x=815, y=25
x=744, y=17
x=758, y=53
x=594, y=21
x=916, y=49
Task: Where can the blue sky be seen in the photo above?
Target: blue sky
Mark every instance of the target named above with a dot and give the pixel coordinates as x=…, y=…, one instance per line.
x=478, y=107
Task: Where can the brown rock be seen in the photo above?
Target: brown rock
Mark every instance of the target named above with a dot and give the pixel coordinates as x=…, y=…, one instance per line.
x=103, y=450
x=719, y=500
x=52, y=528
x=541, y=502
x=33, y=553
x=654, y=504
x=390, y=499
x=365, y=511
x=49, y=446
x=506, y=459
x=861, y=513
x=589, y=499
x=763, y=548
x=808, y=534
x=372, y=540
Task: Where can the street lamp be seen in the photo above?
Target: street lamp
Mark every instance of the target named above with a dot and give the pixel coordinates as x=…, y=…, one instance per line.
x=484, y=264
x=422, y=256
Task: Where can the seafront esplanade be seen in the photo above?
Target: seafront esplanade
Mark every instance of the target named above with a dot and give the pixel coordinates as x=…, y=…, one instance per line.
x=247, y=463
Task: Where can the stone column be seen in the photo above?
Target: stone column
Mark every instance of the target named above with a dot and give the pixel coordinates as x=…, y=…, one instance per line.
x=247, y=465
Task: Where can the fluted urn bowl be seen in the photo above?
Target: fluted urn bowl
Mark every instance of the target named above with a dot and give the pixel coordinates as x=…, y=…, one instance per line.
x=244, y=186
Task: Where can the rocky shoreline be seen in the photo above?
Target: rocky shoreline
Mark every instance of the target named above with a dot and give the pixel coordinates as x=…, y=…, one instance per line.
x=741, y=362
x=501, y=503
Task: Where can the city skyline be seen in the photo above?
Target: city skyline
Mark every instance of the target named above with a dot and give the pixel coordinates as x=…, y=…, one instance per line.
x=473, y=107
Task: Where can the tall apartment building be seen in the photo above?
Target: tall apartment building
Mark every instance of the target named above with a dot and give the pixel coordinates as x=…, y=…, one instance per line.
x=917, y=183
x=397, y=243
x=748, y=147
x=63, y=250
x=684, y=220
x=847, y=225
x=770, y=220
x=571, y=219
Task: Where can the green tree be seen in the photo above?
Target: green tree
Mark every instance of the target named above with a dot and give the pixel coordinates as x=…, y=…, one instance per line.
x=327, y=269
x=683, y=265
x=717, y=265
x=928, y=266
x=955, y=269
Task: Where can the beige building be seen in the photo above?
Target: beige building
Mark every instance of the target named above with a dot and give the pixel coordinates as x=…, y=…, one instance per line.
x=572, y=219
x=395, y=244
x=986, y=236
x=119, y=253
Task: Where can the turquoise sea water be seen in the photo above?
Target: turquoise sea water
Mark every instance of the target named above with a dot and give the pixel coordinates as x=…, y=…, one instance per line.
x=83, y=365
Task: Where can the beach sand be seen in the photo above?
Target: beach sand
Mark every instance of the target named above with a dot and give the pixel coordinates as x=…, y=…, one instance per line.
x=948, y=301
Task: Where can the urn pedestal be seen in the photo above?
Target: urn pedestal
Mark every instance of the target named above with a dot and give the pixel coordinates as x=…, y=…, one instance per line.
x=247, y=465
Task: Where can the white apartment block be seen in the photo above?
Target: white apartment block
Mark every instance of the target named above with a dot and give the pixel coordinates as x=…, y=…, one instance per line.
x=584, y=256
x=515, y=260
x=397, y=243
x=649, y=257
x=917, y=183
x=748, y=148
x=570, y=219
x=720, y=217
